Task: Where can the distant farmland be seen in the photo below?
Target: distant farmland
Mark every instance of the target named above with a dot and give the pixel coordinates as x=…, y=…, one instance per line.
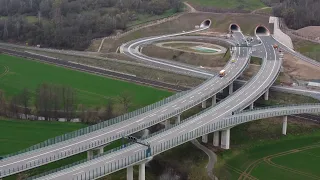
x=17, y=73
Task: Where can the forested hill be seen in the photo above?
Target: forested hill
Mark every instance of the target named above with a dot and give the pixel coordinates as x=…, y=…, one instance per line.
x=297, y=13
x=72, y=23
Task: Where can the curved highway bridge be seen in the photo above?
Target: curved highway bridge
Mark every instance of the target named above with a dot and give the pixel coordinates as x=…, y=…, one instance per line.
x=217, y=118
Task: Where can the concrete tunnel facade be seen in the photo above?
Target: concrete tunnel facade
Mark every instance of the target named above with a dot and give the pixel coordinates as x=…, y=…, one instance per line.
x=262, y=30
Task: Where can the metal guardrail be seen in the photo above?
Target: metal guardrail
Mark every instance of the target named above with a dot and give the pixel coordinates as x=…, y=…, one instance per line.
x=106, y=140
x=98, y=126
x=224, y=123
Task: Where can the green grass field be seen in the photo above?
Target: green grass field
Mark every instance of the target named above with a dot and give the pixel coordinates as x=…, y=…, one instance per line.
x=16, y=135
x=230, y=4
x=308, y=48
x=17, y=73
x=268, y=155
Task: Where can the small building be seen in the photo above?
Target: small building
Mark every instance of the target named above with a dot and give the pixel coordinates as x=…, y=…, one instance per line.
x=314, y=83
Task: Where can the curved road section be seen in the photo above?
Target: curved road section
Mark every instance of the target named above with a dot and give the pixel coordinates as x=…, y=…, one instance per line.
x=211, y=120
x=39, y=157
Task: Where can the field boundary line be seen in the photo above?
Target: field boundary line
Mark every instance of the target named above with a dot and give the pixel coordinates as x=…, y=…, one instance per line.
x=254, y=164
x=239, y=171
x=6, y=71
x=269, y=162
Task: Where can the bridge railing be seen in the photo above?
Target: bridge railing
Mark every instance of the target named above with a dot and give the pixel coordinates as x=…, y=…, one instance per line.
x=100, y=125
x=277, y=106
x=176, y=140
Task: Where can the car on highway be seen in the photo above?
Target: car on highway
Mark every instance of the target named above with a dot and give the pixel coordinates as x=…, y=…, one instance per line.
x=222, y=73
x=233, y=60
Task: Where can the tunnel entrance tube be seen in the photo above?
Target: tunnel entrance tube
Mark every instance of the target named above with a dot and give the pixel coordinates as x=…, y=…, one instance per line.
x=234, y=27
x=262, y=31
x=205, y=23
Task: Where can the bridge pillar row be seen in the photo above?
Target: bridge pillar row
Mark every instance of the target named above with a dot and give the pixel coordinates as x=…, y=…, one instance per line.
x=142, y=171
x=266, y=95
x=284, y=125
x=225, y=139
x=178, y=120
x=130, y=173
x=205, y=138
x=216, y=138
x=231, y=88
x=204, y=104
x=214, y=100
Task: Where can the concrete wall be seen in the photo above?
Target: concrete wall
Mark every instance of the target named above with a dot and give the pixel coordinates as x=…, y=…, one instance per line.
x=278, y=34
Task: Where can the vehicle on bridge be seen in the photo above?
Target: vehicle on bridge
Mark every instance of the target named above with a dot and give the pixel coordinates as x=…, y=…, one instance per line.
x=222, y=73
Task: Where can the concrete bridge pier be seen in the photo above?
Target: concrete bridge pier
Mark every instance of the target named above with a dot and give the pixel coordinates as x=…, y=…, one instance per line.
x=167, y=123
x=266, y=95
x=231, y=88
x=284, y=125
x=251, y=106
x=178, y=120
x=89, y=154
x=205, y=138
x=214, y=100
x=216, y=138
x=204, y=104
x=130, y=173
x=225, y=139
x=142, y=171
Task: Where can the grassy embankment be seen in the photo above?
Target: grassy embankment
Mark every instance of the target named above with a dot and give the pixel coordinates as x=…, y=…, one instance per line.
x=308, y=48
x=229, y=4
x=91, y=89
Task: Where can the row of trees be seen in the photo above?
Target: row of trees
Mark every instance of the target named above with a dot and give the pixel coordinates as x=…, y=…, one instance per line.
x=51, y=102
x=298, y=13
x=72, y=23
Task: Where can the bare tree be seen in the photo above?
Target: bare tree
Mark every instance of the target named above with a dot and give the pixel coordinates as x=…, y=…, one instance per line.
x=125, y=99
x=25, y=100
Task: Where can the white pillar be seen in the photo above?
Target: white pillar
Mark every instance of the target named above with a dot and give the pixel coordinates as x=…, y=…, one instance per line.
x=216, y=138
x=167, y=123
x=89, y=154
x=205, y=138
x=204, y=104
x=251, y=106
x=130, y=173
x=266, y=95
x=178, y=119
x=231, y=88
x=225, y=139
x=284, y=125
x=142, y=171
x=214, y=100
x=100, y=150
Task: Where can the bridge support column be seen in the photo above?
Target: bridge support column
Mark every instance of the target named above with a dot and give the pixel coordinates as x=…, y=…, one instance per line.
x=205, y=138
x=89, y=154
x=167, y=123
x=101, y=150
x=225, y=139
x=251, y=106
x=214, y=100
x=130, y=173
x=178, y=119
x=142, y=171
x=284, y=125
x=216, y=138
x=204, y=104
x=266, y=95
x=231, y=88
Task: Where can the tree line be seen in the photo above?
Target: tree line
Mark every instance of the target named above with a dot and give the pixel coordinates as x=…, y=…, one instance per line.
x=51, y=102
x=297, y=13
x=72, y=23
